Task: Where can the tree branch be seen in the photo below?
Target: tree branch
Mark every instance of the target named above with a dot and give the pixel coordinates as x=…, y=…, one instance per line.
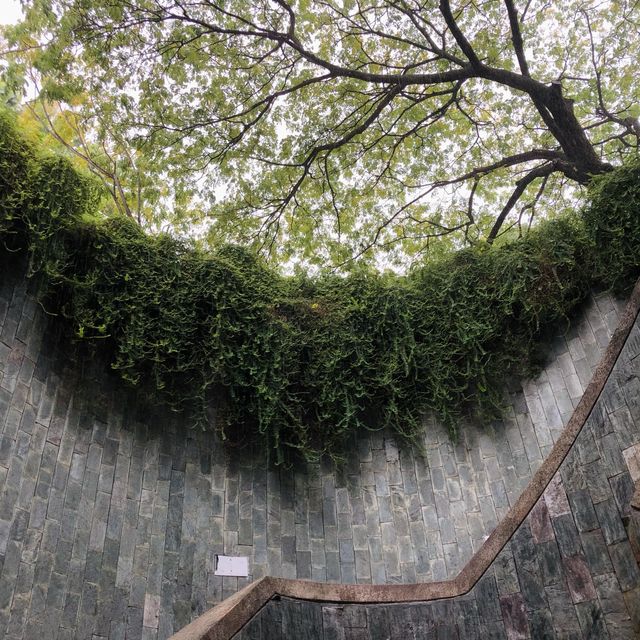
x=463, y=43
x=521, y=185
x=507, y=161
x=516, y=37
x=116, y=192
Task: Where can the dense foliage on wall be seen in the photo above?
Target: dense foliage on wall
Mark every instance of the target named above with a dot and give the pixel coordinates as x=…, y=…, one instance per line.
x=302, y=362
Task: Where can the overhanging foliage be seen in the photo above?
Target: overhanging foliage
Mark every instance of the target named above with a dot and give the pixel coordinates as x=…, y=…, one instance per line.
x=304, y=363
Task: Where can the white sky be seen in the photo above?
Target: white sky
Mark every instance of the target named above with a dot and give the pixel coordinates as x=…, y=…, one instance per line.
x=10, y=11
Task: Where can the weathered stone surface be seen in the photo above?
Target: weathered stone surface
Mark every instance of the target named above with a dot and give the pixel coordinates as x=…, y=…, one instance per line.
x=610, y=521
x=567, y=535
x=579, y=579
x=625, y=566
x=551, y=567
x=592, y=622
x=514, y=615
x=556, y=498
x=111, y=514
x=540, y=523
x=596, y=554
x=563, y=613
x=583, y=512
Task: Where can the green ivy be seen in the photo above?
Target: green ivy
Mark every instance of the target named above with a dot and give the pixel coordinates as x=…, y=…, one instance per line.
x=613, y=221
x=301, y=363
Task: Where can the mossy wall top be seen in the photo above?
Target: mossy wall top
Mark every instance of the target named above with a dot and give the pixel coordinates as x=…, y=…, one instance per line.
x=304, y=362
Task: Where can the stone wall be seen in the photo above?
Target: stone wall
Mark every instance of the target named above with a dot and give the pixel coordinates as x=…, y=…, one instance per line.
x=569, y=571
x=111, y=513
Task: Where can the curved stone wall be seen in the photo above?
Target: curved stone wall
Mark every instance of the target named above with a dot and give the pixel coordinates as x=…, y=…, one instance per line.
x=568, y=571
x=110, y=520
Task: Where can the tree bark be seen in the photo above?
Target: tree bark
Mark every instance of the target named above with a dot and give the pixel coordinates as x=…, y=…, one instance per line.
x=571, y=135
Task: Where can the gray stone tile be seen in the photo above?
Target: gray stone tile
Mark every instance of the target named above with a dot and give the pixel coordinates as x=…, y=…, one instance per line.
x=142, y=514
x=610, y=521
x=595, y=551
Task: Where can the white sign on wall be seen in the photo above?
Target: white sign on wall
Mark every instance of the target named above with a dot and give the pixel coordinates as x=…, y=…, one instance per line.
x=232, y=566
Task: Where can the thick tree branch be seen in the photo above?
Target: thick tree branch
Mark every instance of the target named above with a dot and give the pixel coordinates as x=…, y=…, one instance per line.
x=516, y=37
x=521, y=186
x=508, y=161
x=463, y=43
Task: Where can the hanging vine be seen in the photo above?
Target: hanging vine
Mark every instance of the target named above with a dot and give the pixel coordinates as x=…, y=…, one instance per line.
x=303, y=363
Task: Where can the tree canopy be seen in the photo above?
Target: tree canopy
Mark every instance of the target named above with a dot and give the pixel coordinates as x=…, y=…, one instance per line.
x=325, y=131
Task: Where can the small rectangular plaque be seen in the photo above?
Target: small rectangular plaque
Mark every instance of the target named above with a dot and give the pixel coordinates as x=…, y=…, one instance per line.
x=232, y=566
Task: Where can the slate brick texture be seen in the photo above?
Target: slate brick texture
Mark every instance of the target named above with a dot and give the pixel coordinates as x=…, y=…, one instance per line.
x=112, y=512
x=568, y=571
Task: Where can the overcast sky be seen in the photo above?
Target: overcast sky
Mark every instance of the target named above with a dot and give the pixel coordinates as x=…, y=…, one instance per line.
x=9, y=11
